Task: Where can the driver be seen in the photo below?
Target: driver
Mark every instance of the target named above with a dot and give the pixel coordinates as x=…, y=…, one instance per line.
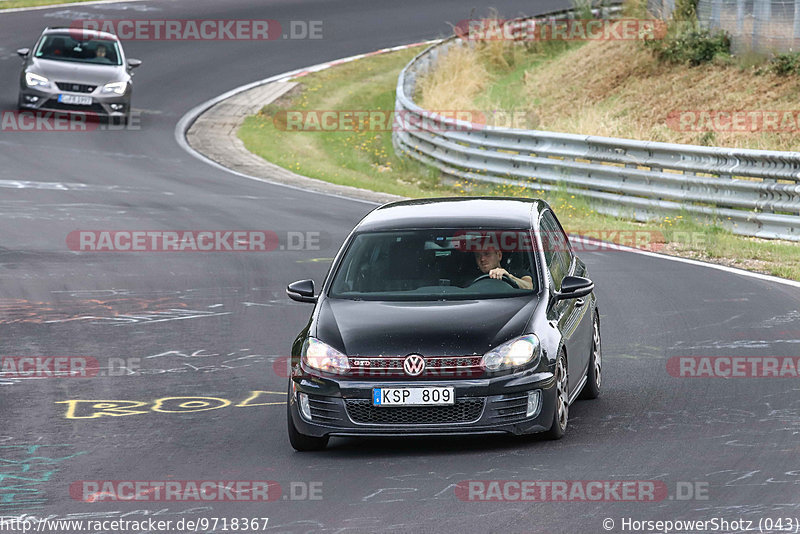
x=489, y=263
x=100, y=54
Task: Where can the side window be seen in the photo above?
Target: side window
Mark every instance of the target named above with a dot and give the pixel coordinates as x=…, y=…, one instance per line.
x=557, y=251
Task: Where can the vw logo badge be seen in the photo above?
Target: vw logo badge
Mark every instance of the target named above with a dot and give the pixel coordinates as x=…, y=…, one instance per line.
x=414, y=364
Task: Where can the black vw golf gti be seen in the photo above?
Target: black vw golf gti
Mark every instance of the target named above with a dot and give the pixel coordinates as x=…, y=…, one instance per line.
x=446, y=316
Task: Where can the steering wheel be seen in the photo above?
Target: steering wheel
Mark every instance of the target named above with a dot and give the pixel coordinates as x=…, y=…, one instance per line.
x=507, y=279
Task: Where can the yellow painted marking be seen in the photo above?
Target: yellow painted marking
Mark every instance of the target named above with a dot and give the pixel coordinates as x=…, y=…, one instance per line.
x=200, y=404
x=92, y=409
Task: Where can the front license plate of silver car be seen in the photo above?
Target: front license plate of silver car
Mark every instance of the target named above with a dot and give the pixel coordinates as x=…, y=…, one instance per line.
x=75, y=100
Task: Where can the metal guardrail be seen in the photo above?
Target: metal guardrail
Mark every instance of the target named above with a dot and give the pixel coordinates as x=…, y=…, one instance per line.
x=752, y=192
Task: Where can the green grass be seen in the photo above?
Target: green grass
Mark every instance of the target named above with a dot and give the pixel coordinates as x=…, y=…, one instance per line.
x=366, y=159
x=9, y=4
x=362, y=158
x=509, y=80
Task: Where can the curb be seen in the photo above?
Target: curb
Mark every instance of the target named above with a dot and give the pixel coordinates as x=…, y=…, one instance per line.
x=3, y=10
x=208, y=132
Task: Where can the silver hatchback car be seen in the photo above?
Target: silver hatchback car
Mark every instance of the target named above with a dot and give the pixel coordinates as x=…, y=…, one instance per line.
x=77, y=71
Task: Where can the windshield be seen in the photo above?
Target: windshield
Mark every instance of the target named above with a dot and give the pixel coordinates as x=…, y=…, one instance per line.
x=442, y=264
x=64, y=47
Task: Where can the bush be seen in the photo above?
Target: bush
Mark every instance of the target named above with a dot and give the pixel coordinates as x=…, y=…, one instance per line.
x=785, y=64
x=688, y=43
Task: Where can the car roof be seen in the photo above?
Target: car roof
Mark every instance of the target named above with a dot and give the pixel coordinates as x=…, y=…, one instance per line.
x=457, y=212
x=88, y=34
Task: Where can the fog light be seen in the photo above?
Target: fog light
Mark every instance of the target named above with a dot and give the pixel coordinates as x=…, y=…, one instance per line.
x=32, y=99
x=117, y=107
x=534, y=404
x=305, y=409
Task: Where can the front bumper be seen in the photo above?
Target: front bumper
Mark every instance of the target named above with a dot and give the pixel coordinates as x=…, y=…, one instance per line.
x=483, y=406
x=39, y=99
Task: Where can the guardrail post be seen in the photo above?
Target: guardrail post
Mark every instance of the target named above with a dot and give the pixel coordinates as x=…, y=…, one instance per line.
x=762, y=13
x=716, y=14
x=668, y=8
x=796, y=29
x=740, y=18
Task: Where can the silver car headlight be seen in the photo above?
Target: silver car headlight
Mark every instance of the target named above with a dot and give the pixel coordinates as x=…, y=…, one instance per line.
x=34, y=80
x=117, y=88
x=323, y=357
x=514, y=353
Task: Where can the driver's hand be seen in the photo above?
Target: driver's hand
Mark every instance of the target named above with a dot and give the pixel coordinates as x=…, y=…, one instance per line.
x=498, y=273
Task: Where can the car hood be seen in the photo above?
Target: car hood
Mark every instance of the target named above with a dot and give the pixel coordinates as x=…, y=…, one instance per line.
x=86, y=73
x=438, y=328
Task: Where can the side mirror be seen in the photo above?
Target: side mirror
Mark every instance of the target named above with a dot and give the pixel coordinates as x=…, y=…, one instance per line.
x=301, y=291
x=573, y=287
x=133, y=63
x=23, y=52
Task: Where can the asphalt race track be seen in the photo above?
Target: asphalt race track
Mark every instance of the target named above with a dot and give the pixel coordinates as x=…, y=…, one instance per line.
x=215, y=325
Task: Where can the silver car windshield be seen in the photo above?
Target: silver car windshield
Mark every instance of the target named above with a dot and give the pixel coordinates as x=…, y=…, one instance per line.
x=442, y=264
x=64, y=47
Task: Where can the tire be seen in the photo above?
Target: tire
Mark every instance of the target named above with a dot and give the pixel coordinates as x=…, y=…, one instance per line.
x=561, y=409
x=591, y=390
x=301, y=442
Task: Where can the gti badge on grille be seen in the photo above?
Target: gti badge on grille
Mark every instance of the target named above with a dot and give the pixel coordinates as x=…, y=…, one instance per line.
x=413, y=365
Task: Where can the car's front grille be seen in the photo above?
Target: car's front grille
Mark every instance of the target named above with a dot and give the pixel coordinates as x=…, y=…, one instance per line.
x=76, y=87
x=465, y=410
x=435, y=366
x=507, y=408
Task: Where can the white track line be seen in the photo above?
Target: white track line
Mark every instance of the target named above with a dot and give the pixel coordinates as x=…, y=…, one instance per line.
x=613, y=246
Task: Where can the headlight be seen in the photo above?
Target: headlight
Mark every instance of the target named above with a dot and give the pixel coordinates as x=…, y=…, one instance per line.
x=118, y=88
x=514, y=353
x=322, y=357
x=34, y=80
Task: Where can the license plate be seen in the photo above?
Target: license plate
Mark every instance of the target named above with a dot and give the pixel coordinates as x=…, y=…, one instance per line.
x=76, y=100
x=430, y=396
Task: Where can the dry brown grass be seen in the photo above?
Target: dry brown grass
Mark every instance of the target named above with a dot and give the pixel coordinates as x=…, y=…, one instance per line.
x=455, y=82
x=618, y=89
